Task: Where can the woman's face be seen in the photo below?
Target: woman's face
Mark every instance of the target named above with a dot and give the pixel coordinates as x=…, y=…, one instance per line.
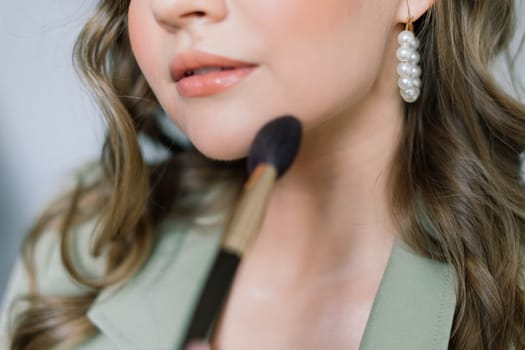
x=316, y=59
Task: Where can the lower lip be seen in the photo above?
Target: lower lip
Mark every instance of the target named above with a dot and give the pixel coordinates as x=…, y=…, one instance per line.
x=212, y=83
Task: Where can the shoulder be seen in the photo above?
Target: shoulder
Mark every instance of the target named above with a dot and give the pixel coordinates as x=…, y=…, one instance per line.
x=51, y=276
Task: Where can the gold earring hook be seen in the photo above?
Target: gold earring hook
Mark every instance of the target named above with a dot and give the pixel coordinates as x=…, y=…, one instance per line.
x=410, y=23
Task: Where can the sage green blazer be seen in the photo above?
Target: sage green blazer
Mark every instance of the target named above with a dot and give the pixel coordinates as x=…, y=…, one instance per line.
x=413, y=308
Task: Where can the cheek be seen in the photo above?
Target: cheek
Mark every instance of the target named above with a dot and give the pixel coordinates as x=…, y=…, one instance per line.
x=143, y=33
x=308, y=18
x=326, y=52
x=137, y=36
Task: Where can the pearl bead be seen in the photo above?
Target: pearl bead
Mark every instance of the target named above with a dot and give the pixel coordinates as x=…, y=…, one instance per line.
x=415, y=43
x=405, y=37
x=410, y=95
x=405, y=83
x=404, y=53
x=416, y=82
x=404, y=69
x=415, y=58
x=416, y=71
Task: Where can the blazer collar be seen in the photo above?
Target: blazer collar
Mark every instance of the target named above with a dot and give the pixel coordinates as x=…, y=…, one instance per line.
x=151, y=311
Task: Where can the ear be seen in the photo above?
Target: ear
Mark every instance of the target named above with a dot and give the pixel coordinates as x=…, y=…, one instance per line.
x=412, y=8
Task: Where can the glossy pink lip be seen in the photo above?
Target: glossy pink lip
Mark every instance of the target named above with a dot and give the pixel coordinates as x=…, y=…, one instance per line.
x=208, y=83
x=211, y=83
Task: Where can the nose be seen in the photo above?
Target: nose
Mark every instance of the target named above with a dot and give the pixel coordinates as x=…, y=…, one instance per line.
x=176, y=14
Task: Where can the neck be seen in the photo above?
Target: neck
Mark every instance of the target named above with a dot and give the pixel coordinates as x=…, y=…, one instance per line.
x=331, y=207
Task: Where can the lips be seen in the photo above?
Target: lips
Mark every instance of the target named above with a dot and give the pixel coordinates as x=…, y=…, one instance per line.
x=190, y=63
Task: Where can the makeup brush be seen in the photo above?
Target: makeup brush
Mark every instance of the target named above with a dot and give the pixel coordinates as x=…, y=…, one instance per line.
x=271, y=154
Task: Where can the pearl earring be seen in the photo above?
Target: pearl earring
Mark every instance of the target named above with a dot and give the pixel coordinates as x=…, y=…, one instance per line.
x=408, y=69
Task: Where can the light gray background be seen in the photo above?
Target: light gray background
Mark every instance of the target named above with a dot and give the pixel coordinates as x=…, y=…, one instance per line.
x=48, y=124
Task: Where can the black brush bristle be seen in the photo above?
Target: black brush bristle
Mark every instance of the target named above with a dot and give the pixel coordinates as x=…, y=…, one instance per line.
x=276, y=143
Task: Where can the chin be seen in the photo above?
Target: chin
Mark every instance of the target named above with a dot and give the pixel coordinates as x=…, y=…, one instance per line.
x=220, y=146
x=220, y=138
x=220, y=153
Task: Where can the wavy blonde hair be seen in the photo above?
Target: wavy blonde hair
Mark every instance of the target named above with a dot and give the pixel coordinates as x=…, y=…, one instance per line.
x=456, y=190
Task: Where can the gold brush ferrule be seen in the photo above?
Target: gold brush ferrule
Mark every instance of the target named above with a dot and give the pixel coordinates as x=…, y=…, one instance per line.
x=249, y=213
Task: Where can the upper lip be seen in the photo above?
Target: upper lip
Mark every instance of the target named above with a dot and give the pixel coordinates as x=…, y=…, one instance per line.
x=191, y=60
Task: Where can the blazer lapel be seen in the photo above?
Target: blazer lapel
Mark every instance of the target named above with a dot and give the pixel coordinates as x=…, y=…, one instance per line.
x=151, y=310
x=414, y=307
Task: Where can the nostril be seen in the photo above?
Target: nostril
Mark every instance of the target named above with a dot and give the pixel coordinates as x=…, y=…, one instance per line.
x=195, y=14
x=173, y=22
